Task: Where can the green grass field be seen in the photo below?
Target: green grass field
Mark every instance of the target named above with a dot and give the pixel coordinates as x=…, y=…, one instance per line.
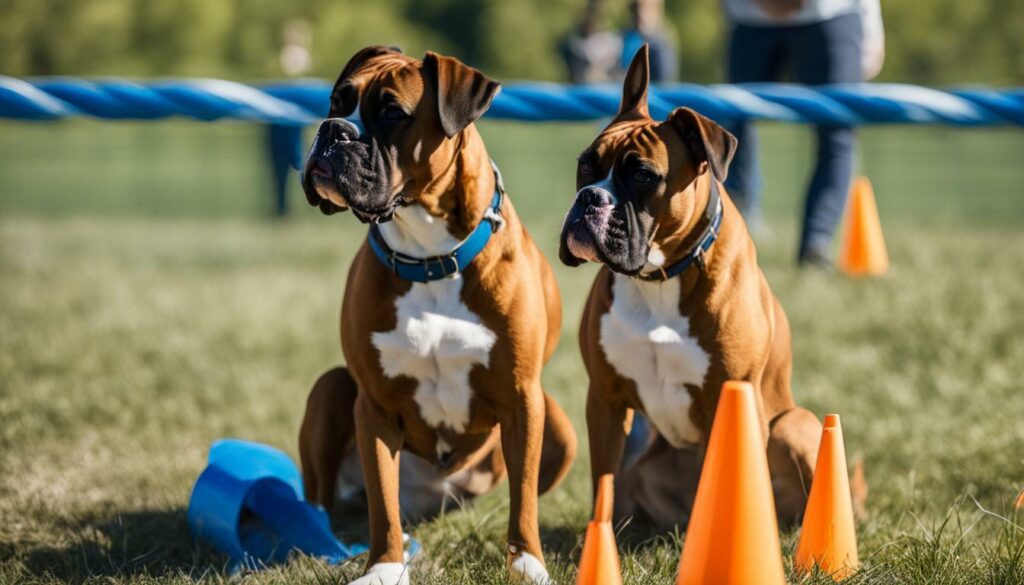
x=147, y=308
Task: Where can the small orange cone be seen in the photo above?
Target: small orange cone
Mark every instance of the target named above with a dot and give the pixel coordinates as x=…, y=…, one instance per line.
x=733, y=537
x=828, y=538
x=863, y=250
x=1019, y=504
x=599, y=563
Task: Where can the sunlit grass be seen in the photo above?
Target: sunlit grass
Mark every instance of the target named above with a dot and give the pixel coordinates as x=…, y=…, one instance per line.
x=129, y=343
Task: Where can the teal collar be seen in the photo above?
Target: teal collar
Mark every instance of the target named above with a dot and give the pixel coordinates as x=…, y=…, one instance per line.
x=447, y=265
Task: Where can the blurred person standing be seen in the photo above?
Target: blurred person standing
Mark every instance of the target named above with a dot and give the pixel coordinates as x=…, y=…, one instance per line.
x=816, y=42
x=284, y=143
x=591, y=55
x=647, y=25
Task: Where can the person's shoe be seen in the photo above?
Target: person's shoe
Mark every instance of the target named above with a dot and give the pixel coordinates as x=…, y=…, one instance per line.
x=816, y=259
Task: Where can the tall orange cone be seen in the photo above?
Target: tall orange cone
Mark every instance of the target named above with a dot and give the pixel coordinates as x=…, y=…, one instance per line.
x=828, y=538
x=733, y=537
x=599, y=563
x=863, y=250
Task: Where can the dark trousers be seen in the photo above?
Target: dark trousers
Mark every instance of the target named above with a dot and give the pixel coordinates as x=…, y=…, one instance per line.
x=284, y=145
x=819, y=53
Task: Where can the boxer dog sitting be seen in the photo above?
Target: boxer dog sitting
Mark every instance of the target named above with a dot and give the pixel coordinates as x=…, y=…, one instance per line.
x=679, y=307
x=449, y=312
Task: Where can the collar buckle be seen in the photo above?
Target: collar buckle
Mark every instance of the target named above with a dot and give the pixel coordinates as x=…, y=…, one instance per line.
x=455, y=271
x=698, y=256
x=493, y=215
x=392, y=260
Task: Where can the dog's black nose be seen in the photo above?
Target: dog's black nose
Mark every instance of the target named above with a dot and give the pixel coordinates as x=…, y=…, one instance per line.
x=339, y=130
x=594, y=197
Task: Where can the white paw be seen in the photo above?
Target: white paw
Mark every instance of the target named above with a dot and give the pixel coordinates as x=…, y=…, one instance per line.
x=384, y=574
x=530, y=569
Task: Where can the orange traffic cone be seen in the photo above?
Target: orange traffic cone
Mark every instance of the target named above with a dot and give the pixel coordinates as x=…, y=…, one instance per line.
x=828, y=538
x=733, y=537
x=599, y=563
x=863, y=250
x=1019, y=504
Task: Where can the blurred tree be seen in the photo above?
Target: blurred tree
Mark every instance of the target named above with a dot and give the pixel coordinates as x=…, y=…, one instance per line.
x=928, y=41
x=949, y=41
x=700, y=35
x=340, y=28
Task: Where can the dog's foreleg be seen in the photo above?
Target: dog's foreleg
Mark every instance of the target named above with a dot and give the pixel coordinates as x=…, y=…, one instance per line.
x=608, y=425
x=522, y=435
x=380, y=442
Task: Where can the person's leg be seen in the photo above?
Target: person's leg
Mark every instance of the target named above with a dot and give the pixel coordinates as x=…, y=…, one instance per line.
x=754, y=55
x=828, y=52
x=285, y=146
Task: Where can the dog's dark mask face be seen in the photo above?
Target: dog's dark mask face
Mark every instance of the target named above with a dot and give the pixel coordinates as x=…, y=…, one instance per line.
x=412, y=112
x=634, y=177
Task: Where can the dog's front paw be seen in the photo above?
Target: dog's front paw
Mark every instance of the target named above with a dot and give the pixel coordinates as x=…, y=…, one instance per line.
x=384, y=574
x=530, y=569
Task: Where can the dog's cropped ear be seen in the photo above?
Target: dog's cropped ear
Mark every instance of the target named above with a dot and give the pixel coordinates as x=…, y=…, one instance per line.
x=634, y=87
x=345, y=95
x=463, y=93
x=706, y=140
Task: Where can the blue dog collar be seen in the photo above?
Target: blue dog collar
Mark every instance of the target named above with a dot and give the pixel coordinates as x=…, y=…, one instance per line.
x=446, y=265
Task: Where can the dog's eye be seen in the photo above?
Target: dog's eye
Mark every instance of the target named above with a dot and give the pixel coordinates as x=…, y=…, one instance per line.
x=393, y=113
x=643, y=176
x=585, y=168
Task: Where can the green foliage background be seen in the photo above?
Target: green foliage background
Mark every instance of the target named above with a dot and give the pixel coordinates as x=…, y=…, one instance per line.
x=929, y=41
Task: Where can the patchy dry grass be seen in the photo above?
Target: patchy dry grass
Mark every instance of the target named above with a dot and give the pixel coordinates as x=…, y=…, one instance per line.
x=128, y=344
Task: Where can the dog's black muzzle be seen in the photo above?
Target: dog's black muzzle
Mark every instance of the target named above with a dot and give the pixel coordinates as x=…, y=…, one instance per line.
x=350, y=167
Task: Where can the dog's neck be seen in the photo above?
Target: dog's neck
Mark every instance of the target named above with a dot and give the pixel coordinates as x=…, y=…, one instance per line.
x=677, y=235
x=448, y=208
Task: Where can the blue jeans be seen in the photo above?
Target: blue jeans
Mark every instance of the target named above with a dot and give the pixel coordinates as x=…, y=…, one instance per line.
x=814, y=54
x=284, y=145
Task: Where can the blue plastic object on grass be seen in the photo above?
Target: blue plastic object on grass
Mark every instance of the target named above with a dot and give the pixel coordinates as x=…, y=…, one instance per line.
x=248, y=503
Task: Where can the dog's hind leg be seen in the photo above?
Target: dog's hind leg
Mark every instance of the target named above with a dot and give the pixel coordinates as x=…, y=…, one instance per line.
x=327, y=433
x=792, y=451
x=488, y=467
x=559, y=448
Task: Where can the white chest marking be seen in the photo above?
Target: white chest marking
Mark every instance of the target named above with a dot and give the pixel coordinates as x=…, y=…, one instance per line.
x=415, y=232
x=437, y=339
x=647, y=340
x=655, y=259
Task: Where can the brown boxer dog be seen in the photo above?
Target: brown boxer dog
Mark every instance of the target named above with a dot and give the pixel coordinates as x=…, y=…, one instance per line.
x=449, y=312
x=679, y=307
